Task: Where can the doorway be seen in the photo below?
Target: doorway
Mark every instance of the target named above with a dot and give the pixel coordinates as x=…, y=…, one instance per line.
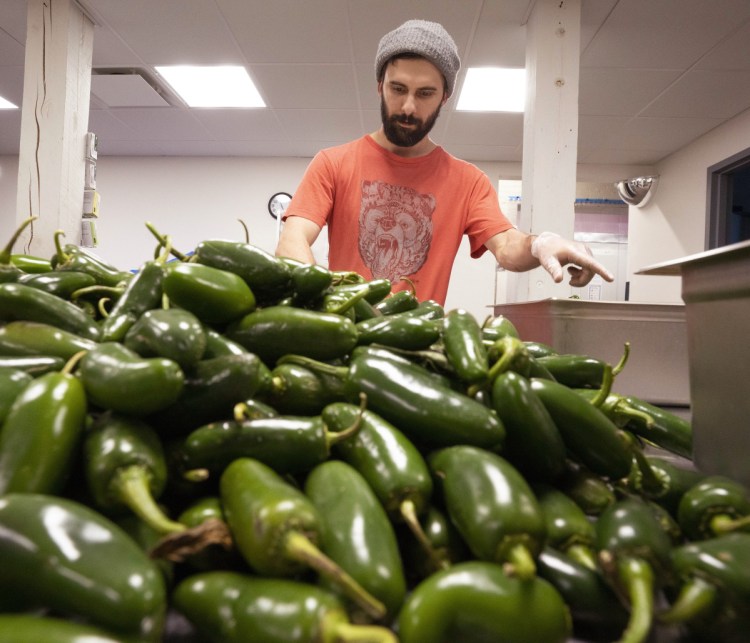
x=728, y=218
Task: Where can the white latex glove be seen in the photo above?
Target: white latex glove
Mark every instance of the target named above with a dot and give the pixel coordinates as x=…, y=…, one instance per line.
x=553, y=252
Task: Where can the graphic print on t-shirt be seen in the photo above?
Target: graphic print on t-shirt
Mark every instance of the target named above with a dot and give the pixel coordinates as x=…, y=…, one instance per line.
x=395, y=229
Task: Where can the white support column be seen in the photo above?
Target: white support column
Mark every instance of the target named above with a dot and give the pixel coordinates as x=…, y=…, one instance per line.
x=54, y=121
x=550, y=134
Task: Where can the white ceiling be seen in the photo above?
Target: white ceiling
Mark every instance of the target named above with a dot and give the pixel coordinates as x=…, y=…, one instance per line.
x=655, y=74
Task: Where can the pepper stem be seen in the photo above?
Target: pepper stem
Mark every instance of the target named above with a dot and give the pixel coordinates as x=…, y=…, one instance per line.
x=339, y=436
x=408, y=512
x=7, y=251
x=298, y=547
x=696, y=597
x=313, y=364
x=164, y=241
x=351, y=633
x=520, y=563
x=623, y=360
x=637, y=577
x=133, y=485
x=584, y=555
x=722, y=523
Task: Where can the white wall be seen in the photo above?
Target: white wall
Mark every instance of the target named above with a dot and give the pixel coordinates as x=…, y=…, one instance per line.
x=673, y=222
x=192, y=199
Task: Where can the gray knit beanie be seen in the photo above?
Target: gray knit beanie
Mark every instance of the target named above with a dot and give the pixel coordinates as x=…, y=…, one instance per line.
x=427, y=39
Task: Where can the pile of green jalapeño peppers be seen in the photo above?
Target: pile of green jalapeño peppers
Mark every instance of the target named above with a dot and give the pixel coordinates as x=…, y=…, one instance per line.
x=257, y=449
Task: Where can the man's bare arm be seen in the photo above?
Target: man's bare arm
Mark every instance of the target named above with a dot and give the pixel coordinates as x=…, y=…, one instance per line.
x=517, y=251
x=297, y=236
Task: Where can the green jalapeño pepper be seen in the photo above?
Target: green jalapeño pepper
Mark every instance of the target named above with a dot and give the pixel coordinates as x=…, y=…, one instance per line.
x=287, y=444
x=174, y=333
x=597, y=613
x=36, y=338
x=24, y=303
x=634, y=553
x=462, y=339
x=12, y=382
x=492, y=506
x=397, y=302
x=649, y=422
x=400, y=331
x=125, y=468
x=229, y=607
x=63, y=556
x=714, y=505
x=297, y=390
x=358, y=535
x=406, y=395
x=31, y=264
x=591, y=437
x=675, y=479
x=713, y=574
x=41, y=434
x=211, y=390
x=589, y=491
x=533, y=442
x=213, y=295
x=310, y=281
x=268, y=277
x=22, y=628
x=568, y=528
x=143, y=292
x=60, y=283
x=119, y=379
x=575, y=371
x=77, y=259
x=277, y=330
x=478, y=601
x=388, y=460
x=277, y=529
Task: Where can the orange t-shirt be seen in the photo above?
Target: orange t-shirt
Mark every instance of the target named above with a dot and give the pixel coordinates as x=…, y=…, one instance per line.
x=394, y=217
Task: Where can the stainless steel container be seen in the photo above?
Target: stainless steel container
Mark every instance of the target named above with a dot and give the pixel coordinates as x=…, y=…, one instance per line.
x=716, y=292
x=657, y=369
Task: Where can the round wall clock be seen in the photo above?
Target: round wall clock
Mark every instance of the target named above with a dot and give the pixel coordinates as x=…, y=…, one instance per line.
x=278, y=204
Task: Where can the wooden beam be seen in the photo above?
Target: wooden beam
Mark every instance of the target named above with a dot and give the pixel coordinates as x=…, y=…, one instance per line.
x=54, y=122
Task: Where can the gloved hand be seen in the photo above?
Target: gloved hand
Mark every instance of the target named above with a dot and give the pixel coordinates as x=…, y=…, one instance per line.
x=553, y=252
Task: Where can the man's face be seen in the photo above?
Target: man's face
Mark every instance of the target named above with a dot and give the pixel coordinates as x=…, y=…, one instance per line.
x=411, y=95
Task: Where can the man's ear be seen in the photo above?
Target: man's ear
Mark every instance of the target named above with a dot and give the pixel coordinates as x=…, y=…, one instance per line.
x=380, y=88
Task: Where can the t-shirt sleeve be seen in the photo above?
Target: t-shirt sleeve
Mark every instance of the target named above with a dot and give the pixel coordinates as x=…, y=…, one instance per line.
x=313, y=198
x=485, y=219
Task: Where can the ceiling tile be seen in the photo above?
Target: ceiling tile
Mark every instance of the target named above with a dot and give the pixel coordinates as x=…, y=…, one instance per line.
x=306, y=86
x=482, y=128
x=620, y=92
x=162, y=124
x=287, y=31
x=321, y=124
x=731, y=52
x=704, y=94
x=125, y=90
x=159, y=31
x=240, y=124
x=659, y=35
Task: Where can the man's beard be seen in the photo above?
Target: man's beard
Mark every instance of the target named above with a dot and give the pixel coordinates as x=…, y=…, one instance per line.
x=406, y=137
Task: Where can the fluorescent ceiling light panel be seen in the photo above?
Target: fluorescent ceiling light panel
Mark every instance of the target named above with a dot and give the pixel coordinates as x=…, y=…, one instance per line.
x=212, y=86
x=493, y=89
x=6, y=104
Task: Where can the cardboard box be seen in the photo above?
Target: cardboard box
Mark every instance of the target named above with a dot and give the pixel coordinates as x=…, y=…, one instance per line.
x=91, y=202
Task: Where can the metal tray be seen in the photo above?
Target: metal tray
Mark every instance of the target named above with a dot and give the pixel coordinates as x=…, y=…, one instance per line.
x=657, y=369
x=716, y=292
